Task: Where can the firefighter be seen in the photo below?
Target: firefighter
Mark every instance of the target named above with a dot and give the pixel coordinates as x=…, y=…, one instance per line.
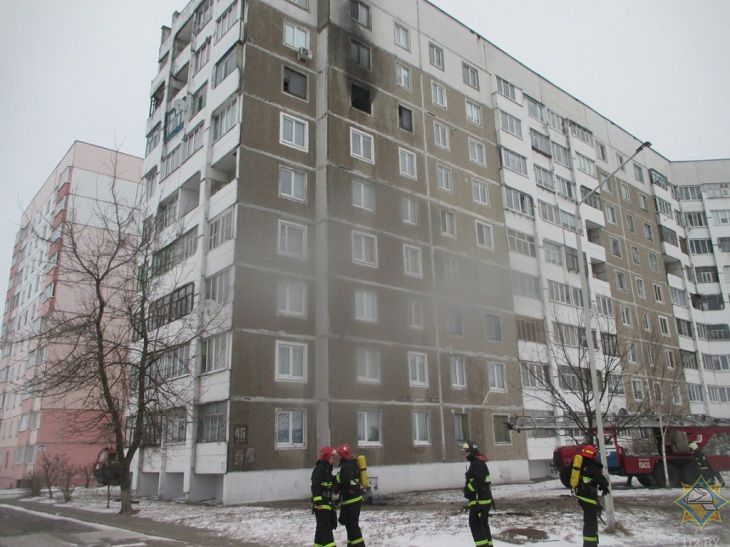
x=322, y=506
x=477, y=489
x=591, y=479
x=703, y=465
x=348, y=481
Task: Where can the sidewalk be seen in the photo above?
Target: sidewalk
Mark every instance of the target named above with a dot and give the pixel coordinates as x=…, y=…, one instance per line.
x=138, y=524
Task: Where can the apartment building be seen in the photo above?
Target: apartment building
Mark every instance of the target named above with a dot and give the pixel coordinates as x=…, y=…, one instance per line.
x=34, y=424
x=379, y=205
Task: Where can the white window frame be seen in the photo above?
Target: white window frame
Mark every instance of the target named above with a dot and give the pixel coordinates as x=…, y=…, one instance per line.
x=288, y=375
x=409, y=211
x=443, y=178
x=438, y=95
x=296, y=32
x=290, y=443
x=368, y=416
x=415, y=315
x=473, y=112
x=417, y=369
x=481, y=229
x=362, y=193
x=496, y=378
x=412, y=261
x=441, y=135
x=421, y=437
x=367, y=365
x=359, y=248
x=363, y=137
x=664, y=327
x=297, y=184
x=448, y=223
x=480, y=192
x=403, y=76
x=477, y=152
x=407, y=163
x=286, y=297
x=400, y=31
x=284, y=117
x=457, y=368
x=369, y=303
x=283, y=236
x=217, y=352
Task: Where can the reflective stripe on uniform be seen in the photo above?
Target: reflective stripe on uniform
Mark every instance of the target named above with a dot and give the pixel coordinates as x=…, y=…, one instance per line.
x=355, y=541
x=353, y=500
x=326, y=484
x=483, y=542
x=470, y=486
x=590, y=538
x=587, y=480
x=317, y=498
x=327, y=507
x=479, y=502
x=587, y=500
x=333, y=544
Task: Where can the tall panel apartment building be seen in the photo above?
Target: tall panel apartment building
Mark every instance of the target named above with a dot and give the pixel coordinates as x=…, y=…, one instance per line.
x=32, y=424
x=383, y=201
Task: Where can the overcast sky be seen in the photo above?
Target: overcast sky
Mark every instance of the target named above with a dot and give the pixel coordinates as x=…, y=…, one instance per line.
x=80, y=69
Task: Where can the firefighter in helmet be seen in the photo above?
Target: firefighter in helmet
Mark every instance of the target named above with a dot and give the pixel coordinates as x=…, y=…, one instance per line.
x=322, y=507
x=477, y=490
x=348, y=481
x=704, y=468
x=590, y=480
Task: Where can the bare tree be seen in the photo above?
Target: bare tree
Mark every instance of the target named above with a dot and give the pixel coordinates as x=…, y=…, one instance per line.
x=112, y=353
x=52, y=469
x=558, y=370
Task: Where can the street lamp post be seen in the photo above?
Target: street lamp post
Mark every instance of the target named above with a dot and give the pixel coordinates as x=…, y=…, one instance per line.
x=587, y=324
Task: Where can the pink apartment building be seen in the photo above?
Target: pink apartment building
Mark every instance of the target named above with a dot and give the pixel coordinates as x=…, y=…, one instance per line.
x=32, y=425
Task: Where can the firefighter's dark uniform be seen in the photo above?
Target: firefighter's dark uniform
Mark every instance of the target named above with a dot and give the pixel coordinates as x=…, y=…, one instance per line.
x=479, y=493
x=591, y=480
x=705, y=469
x=324, y=511
x=348, y=480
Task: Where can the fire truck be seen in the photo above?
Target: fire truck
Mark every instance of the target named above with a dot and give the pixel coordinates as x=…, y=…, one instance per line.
x=640, y=456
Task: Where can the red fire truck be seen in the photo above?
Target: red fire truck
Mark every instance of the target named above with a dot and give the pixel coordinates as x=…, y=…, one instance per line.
x=642, y=458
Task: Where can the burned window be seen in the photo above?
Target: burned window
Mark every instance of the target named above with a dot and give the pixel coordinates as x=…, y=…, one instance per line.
x=360, y=96
x=295, y=83
x=405, y=118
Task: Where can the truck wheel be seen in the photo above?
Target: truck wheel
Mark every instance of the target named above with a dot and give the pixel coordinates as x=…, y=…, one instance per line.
x=565, y=476
x=658, y=475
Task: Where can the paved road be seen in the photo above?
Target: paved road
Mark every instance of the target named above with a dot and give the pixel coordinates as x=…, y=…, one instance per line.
x=21, y=528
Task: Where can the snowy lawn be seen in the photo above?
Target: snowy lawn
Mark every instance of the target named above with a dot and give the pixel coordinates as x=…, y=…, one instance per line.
x=526, y=514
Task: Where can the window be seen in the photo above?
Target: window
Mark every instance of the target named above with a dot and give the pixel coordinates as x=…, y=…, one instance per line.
x=626, y=316
x=361, y=146
x=360, y=54
x=722, y=216
x=493, y=327
x=513, y=161
x=367, y=365
x=669, y=358
x=417, y=369
x=534, y=374
x=366, y=305
x=461, y=427
x=292, y=184
x=212, y=422
x=553, y=252
x=458, y=372
x=510, y=124
x=226, y=21
x=611, y=214
x=640, y=290
x=224, y=67
x=561, y=155
x=405, y=118
x=415, y=314
x=203, y=14
x=502, y=433
x=695, y=393
x=638, y=173
x=364, y=249
x=407, y=163
x=531, y=330
x=223, y=120
x=360, y=12
x=294, y=132
x=535, y=109
x=609, y=343
x=684, y=327
x=643, y=203
x=360, y=98
x=368, y=427
x=218, y=287
x=648, y=232
x=480, y=192
x=421, y=433
x=540, y=142
x=706, y=274
x=214, y=354
x=438, y=94
x=653, y=262
x=290, y=428
x=524, y=284
x=601, y=151
x=700, y=246
x=585, y=164
x=477, y=152
x=292, y=239
x=544, y=178
x=566, y=294
x=402, y=36
x=412, y=264
x=201, y=56
x=496, y=377
x=443, y=178
x=632, y=354
x=615, y=246
x=484, y=235
x=507, y=89
x=470, y=75
x=658, y=294
x=291, y=362
x=473, y=112
x=220, y=229
x=638, y=386
x=295, y=37
x=441, y=135
x=566, y=188
x=363, y=195
x=454, y=323
x=635, y=255
x=646, y=321
x=175, y=425
x=403, y=76
x=409, y=210
x=436, y=56
x=448, y=223
x=519, y=202
x=292, y=298
x=630, y=223
x=664, y=325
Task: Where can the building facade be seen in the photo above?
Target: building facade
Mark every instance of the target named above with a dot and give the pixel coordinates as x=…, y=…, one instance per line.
x=379, y=205
x=33, y=424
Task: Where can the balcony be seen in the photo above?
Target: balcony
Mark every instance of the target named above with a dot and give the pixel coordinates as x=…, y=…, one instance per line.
x=63, y=191
x=59, y=219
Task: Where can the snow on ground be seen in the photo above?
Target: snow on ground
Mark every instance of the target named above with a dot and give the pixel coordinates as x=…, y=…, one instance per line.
x=435, y=518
